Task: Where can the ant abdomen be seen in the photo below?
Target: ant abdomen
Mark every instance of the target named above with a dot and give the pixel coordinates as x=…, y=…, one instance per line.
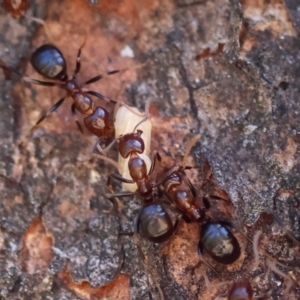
x=154, y=223
x=219, y=242
x=49, y=62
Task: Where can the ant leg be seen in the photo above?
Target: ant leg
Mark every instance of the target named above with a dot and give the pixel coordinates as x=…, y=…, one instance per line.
x=51, y=110
x=147, y=105
x=155, y=156
x=120, y=178
x=107, y=159
x=107, y=148
x=191, y=187
x=147, y=269
x=205, y=262
x=120, y=195
x=78, y=64
x=206, y=203
x=126, y=233
x=118, y=104
x=168, y=174
x=8, y=69
x=73, y=109
x=100, y=96
x=27, y=78
x=101, y=76
x=39, y=82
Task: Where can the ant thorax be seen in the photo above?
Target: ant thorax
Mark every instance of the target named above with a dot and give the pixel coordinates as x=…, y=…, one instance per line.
x=125, y=122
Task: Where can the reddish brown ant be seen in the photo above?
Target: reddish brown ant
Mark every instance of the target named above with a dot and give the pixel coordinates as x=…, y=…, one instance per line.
x=216, y=237
x=49, y=61
x=125, y=122
x=153, y=221
x=16, y=8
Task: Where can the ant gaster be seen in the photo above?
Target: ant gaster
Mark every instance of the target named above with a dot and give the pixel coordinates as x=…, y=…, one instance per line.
x=219, y=242
x=240, y=290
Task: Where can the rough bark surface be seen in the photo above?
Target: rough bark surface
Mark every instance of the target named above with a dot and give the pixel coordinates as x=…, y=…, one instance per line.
x=227, y=70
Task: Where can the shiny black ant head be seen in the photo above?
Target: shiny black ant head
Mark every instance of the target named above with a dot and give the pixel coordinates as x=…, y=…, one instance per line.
x=48, y=61
x=219, y=242
x=131, y=142
x=154, y=223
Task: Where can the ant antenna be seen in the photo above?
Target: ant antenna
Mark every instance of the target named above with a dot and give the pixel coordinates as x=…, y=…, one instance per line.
x=147, y=106
x=44, y=24
x=107, y=148
x=208, y=264
x=190, y=145
x=107, y=159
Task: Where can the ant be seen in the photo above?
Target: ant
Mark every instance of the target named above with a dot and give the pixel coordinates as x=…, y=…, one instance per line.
x=16, y=8
x=153, y=221
x=215, y=237
x=49, y=62
x=125, y=122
